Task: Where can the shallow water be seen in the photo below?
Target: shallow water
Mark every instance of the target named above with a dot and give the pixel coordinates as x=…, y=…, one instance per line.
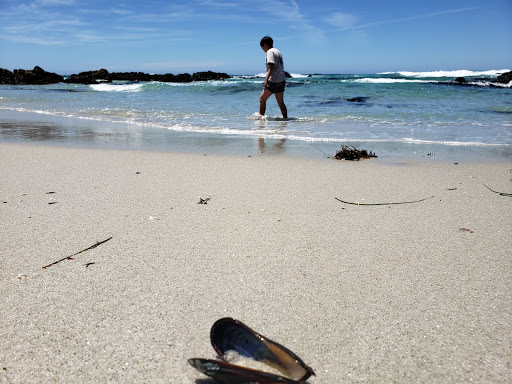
x=402, y=112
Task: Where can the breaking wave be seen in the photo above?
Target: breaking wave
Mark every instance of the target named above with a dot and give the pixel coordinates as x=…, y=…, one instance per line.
x=456, y=73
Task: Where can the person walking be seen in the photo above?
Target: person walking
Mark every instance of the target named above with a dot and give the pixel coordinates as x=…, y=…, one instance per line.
x=275, y=79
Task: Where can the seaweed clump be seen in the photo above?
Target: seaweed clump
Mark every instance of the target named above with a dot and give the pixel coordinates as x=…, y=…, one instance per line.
x=352, y=153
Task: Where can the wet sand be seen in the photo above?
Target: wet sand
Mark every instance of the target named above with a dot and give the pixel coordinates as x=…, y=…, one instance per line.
x=416, y=292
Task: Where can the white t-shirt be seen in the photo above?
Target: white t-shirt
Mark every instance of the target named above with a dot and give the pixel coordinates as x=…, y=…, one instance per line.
x=275, y=57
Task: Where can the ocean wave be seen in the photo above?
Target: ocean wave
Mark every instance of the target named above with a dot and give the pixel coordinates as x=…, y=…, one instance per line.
x=455, y=73
x=385, y=80
x=491, y=84
x=452, y=143
x=272, y=131
x=293, y=75
x=110, y=87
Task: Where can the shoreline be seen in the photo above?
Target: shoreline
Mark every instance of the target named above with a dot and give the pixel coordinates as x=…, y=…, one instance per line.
x=416, y=292
x=62, y=131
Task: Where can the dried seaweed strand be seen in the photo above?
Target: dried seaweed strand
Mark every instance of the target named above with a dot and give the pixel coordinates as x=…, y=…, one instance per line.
x=499, y=193
x=74, y=254
x=402, y=202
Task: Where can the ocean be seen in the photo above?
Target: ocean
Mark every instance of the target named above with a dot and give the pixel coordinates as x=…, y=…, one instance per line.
x=394, y=113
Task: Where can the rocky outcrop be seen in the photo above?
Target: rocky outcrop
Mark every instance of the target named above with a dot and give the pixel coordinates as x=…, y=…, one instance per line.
x=89, y=77
x=40, y=77
x=36, y=76
x=94, y=77
x=5, y=76
x=504, y=78
x=205, y=76
x=129, y=76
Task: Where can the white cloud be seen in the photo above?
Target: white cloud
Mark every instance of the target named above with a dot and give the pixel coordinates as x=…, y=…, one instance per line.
x=342, y=20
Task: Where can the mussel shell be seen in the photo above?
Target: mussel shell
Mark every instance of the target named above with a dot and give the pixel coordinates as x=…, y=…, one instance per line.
x=226, y=373
x=228, y=334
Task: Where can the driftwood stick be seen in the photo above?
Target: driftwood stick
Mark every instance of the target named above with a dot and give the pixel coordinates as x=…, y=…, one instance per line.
x=74, y=254
x=402, y=202
x=499, y=193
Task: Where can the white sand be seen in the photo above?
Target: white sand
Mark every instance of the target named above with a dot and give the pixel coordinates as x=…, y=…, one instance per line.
x=369, y=294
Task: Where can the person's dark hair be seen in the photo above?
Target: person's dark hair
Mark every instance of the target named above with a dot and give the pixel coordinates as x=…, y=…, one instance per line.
x=267, y=40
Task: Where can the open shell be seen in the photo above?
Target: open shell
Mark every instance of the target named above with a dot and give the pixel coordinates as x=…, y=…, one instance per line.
x=228, y=334
x=226, y=373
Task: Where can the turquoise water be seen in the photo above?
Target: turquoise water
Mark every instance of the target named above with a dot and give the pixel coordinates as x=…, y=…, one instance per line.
x=385, y=110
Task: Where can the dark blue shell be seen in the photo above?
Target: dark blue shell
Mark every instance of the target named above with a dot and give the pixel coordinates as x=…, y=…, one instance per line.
x=228, y=334
x=226, y=373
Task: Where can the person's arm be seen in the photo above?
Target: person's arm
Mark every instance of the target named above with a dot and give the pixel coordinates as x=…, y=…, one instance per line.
x=271, y=67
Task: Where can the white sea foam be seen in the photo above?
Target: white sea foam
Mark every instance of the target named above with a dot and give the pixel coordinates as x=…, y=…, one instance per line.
x=456, y=73
x=509, y=85
x=109, y=87
x=451, y=143
x=297, y=75
x=386, y=81
x=270, y=132
x=293, y=75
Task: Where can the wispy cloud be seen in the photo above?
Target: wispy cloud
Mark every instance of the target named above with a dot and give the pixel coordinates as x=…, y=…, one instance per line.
x=47, y=26
x=218, y=4
x=35, y=23
x=54, y=2
x=35, y=40
x=342, y=20
x=289, y=12
x=166, y=66
x=69, y=22
x=410, y=18
x=113, y=11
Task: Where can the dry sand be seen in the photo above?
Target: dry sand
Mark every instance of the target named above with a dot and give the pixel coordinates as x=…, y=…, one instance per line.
x=403, y=293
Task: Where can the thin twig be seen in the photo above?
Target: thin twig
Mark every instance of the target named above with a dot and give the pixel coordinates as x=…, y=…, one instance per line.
x=402, y=202
x=499, y=193
x=74, y=254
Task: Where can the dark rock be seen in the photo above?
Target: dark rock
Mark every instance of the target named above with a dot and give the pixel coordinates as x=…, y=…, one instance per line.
x=205, y=76
x=89, y=77
x=5, y=76
x=39, y=76
x=358, y=99
x=288, y=76
x=129, y=76
x=36, y=76
x=461, y=80
x=504, y=78
x=183, y=78
x=167, y=78
x=93, y=77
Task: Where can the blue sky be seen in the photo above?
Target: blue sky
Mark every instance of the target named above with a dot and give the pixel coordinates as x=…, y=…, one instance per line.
x=69, y=36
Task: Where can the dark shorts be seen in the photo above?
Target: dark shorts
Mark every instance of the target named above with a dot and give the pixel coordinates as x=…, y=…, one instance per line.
x=276, y=87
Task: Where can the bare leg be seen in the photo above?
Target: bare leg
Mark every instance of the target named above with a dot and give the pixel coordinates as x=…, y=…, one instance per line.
x=282, y=106
x=263, y=100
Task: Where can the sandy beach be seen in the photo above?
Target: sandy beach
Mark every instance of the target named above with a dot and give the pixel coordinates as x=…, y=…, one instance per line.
x=402, y=293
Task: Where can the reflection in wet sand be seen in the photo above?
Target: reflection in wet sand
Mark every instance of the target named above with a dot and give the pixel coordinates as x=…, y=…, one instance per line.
x=278, y=146
x=31, y=132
